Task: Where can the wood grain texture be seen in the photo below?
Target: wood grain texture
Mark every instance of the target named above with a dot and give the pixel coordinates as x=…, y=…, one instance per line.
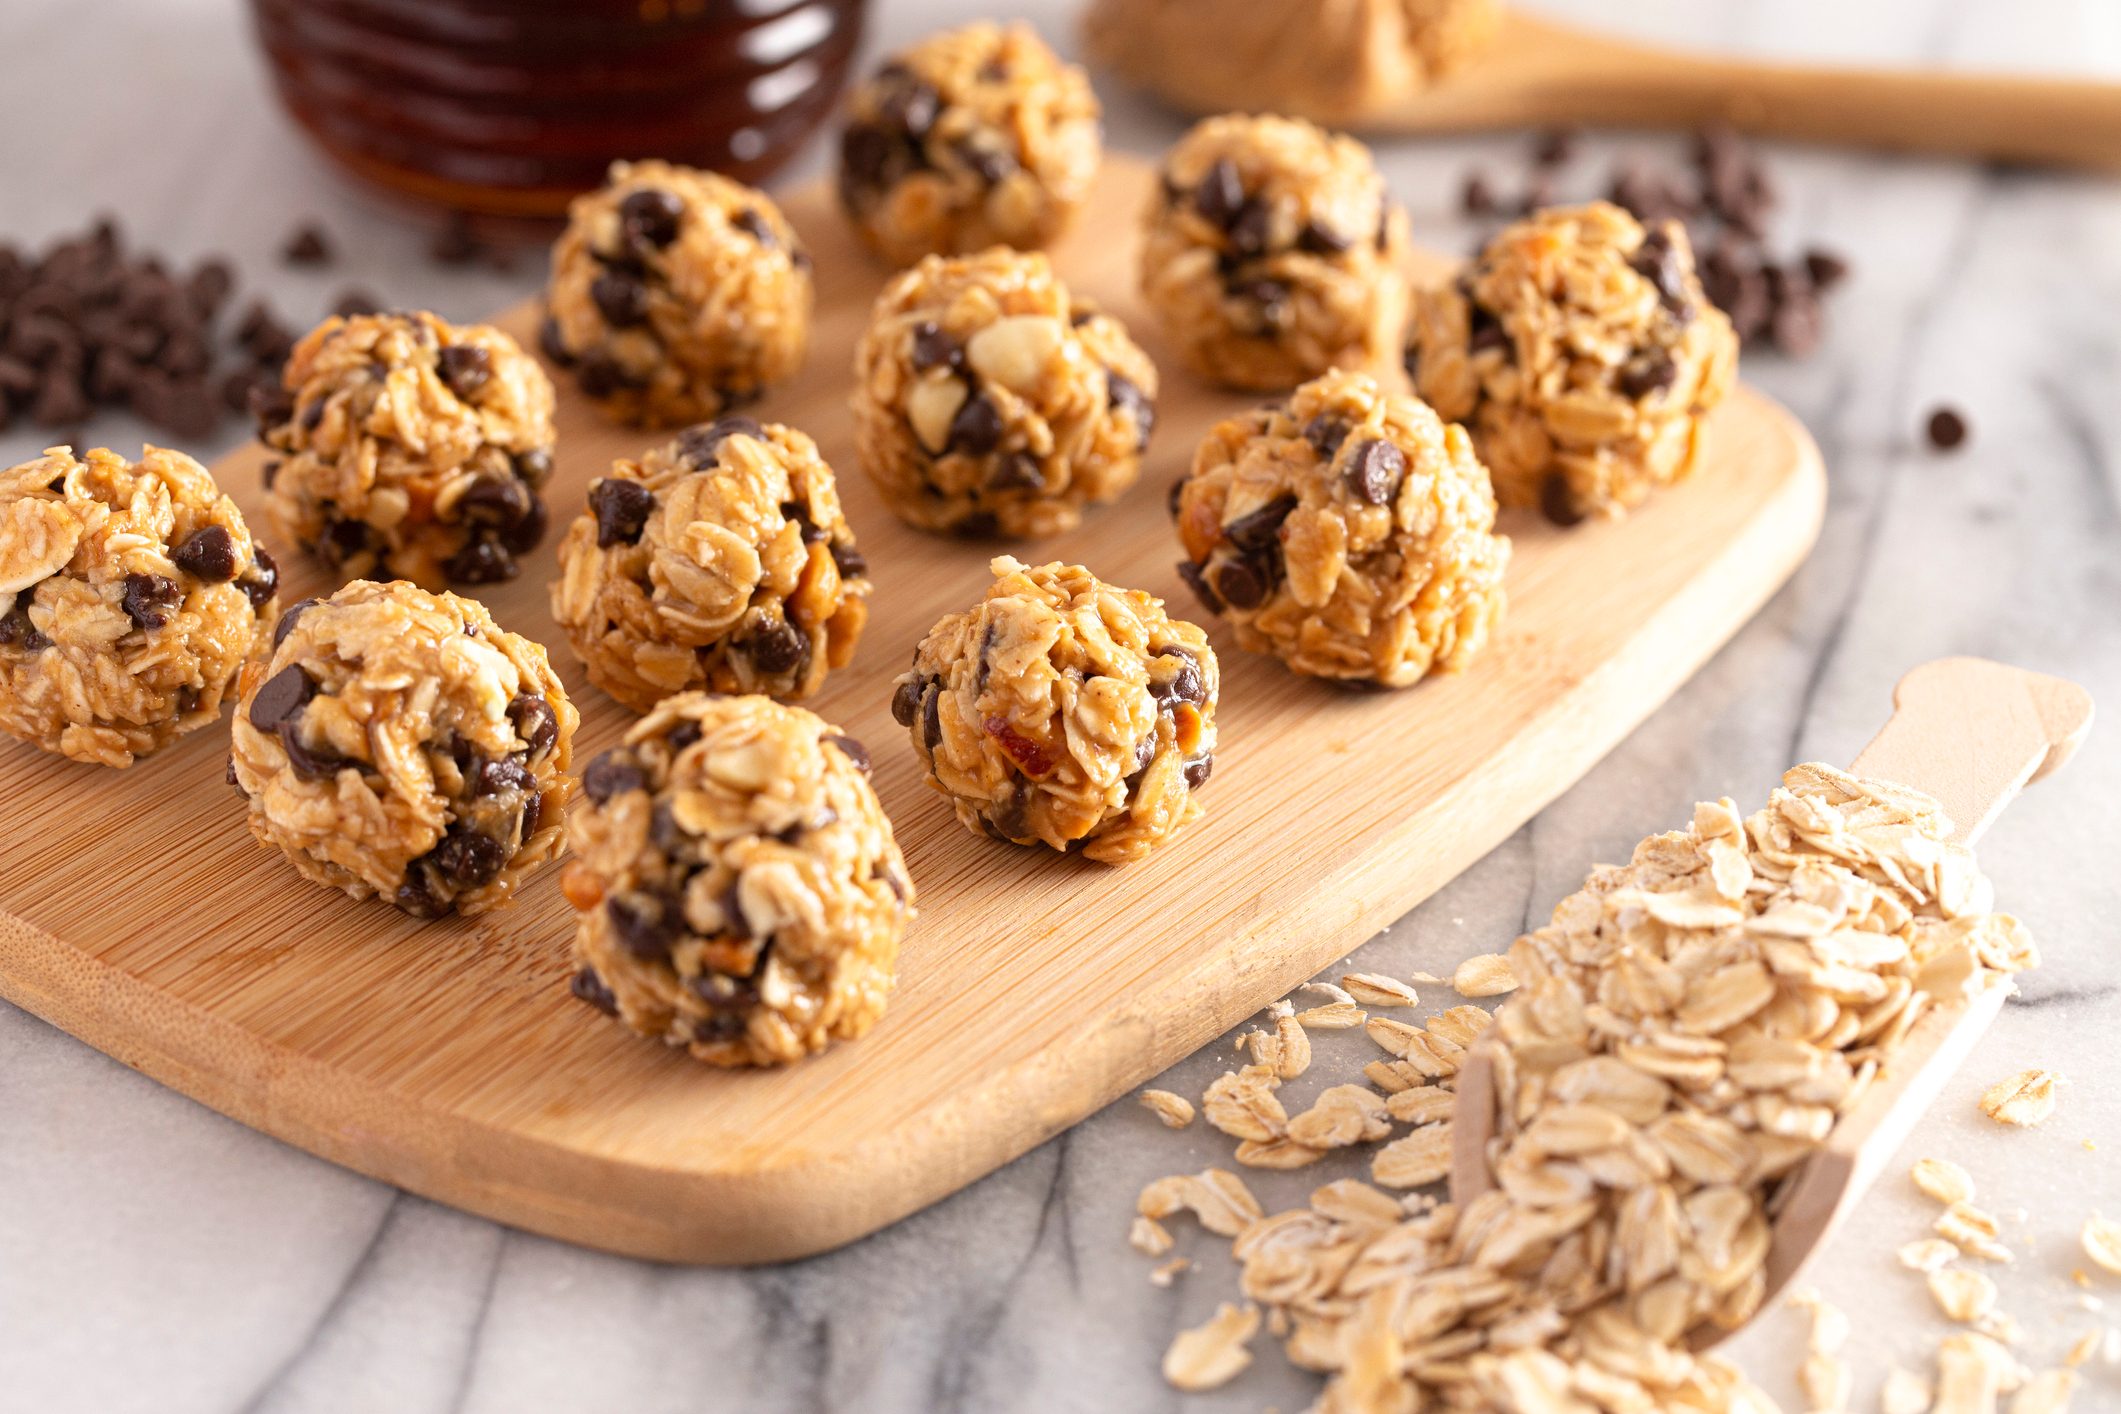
x=447, y=1057
x=1972, y=734
x=1538, y=72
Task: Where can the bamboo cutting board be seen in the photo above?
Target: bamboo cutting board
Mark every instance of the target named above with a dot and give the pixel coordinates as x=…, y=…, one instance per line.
x=448, y=1058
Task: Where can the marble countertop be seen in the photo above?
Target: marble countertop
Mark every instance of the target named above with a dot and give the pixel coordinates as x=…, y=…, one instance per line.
x=156, y=1256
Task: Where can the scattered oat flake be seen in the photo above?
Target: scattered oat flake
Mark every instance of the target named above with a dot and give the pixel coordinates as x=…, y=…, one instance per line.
x=2101, y=1239
x=1282, y=1153
x=1213, y=1353
x=1176, y=1111
x=1944, y=1181
x=1962, y=1294
x=1487, y=975
x=1825, y=1381
x=2025, y=1099
x=1294, y=1047
x=1149, y=1237
x=1904, y=1392
x=1927, y=1254
x=1170, y=1271
x=1374, y=989
x=1423, y=1156
x=2084, y=1348
x=1217, y=1197
x=2045, y=1393
x=1335, y=1016
x=1973, y=1231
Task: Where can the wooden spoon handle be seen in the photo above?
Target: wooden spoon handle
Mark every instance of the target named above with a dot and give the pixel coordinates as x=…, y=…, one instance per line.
x=1540, y=73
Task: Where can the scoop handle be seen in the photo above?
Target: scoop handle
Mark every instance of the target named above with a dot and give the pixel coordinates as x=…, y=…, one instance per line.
x=1971, y=733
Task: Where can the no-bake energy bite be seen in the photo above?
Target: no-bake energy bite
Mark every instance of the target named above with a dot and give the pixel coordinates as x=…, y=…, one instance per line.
x=1063, y=711
x=1348, y=531
x=988, y=401
x=741, y=894
x=399, y=744
x=1274, y=253
x=130, y=594
x=1579, y=350
x=407, y=447
x=975, y=137
x=676, y=295
x=720, y=560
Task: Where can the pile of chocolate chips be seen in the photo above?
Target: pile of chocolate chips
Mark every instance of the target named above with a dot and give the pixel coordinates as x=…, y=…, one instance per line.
x=1725, y=199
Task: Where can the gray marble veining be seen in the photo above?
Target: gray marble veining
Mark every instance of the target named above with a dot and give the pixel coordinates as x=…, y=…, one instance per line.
x=155, y=1256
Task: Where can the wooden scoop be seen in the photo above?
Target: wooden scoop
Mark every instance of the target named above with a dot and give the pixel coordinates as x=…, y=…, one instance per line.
x=1972, y=734
x=1536, y=73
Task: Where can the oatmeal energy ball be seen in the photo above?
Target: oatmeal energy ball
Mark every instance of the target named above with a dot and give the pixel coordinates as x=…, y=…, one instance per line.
x=739, y=889
x=1273, y=253
x=676, y=295
x=405, y=447
x=1579, y=350
x=400, y=744
x=130, y=594
x=986, y=401
x=1062, y=711
x=718, y=561
x=979, y=136
x=1348, y=531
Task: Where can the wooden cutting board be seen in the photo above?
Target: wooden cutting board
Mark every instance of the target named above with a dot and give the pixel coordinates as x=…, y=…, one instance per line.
x=448, y=1057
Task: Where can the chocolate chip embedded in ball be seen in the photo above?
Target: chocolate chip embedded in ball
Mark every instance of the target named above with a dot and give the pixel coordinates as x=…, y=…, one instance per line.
x=1374, y=471
x=850, y=562
x=776, y=646
x=208, y=553
x=621, y=298
x=535, y=722
x=702, y=445
x=1125, y=394
x=263, y=579
x=611, y=774
x=282, y=697
x=621, y=508
x=646, y=923
x=481, y=561
x=587, y=986
x=853, y=750
x=467, y=859
x=650, y=217
x=1558, y=503
x=149, y=599
x=466, y=368
x=976, y=430
x=1221, y=193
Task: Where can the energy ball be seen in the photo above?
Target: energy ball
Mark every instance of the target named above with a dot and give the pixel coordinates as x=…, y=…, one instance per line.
x=739, y=889
x=401, y=745
x=406, y=447
x=987, y=401
x=976, y=137
x=1273, y=253
x=676, y=295
x=719, y=561
x=1066, y=712
x=1579, y=350
x=1348, y=531
x=130, y=594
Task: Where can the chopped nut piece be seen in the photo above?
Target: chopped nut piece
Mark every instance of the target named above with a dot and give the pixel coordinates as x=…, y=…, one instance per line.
x=1170, y=1271
x=2025, y=1099
x=1213, y=1353
x=1176, y=1111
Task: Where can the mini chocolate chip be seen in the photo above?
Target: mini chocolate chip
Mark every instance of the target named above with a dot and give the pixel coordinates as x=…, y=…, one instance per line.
x=587, y=986
x=849, y=561
x=1825, y=268
x=1272, y=297
x=523, y=537
x=1658, y=260
x=611, y=774
x=229, y=774
x=1241, y=584
x=1198, y=583
x=681, y=736
x=535, y=722
x=1375, y=470
x=1174, y=496
x=1484, y=332
x=1018, y=471
x=468, y=859
x=906, y=701
x=354, y=302
x=1249, y=230
x=481, y=561
x=1261, y=528
x=620, y=298
x=700, y=445
x=1221, y=193
x=533, y=466
x=621, y=508
x=912, y=107
x=1477, y=197
x=853, y=750
x=1554, y=147
x=1799, y=325
x=149, y=599
x=1325, y=433
x=16, y=631
x=311, y=764
x=1185, y=685
x=532, y=816
x=976, y=525
x=1650, y=371
x=646, y=924
x=932, y=716
x=466, y=368
x=1947, y=429
x=1319, y=239
x=776, y=646
x=307, y=246
x=867, y=156
x=1557, y=503
x=754, y=225
x=413, y=896
x=269, y=472
x=270, y=405
x=977, y=428
x=286, y=625
x=1197, y=772
x=992, y=165
x=734, y=923
x=262, y=581
x=650, y=217
x=208, y=553
x=495, y=501
x=933, y=348
x=494, y=777
x=1123, y=392
x=282, y=697
x=551, y=344
x=343, y=540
